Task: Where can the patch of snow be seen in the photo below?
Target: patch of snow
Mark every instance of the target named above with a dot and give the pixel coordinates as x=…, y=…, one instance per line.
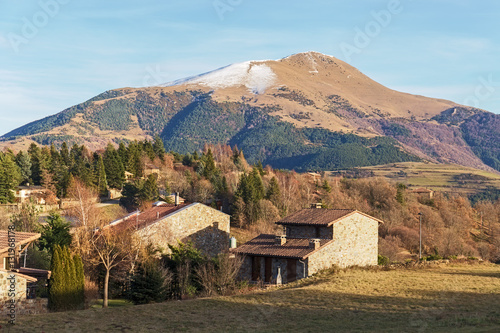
x=254, y=75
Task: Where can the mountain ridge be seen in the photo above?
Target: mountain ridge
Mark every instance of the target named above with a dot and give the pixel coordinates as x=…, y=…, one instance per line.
x=310, y=91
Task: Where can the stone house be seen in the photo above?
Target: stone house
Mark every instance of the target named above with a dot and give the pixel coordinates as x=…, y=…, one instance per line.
x=36, y=193
x=151, y=169
x=312, y=239
x=21, y=279
x=15, y=297
x=423, y=193
x=164, y=224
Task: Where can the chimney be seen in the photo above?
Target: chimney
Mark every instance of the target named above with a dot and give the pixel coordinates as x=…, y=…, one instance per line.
x=314, y=243
x=176, y=198
x=280, y=240
x=316, y=205
x=157, y=215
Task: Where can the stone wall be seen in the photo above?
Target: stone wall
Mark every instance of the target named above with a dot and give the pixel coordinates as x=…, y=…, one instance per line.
x=309, y=232
x=355, y=242
x=21, y=305
x=206, y=227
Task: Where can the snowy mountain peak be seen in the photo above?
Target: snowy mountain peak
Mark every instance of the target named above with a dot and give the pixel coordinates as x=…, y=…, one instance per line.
x=255, y=75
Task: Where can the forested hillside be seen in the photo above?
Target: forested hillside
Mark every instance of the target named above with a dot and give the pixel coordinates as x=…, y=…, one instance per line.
x=187, y=120
x=255, y=196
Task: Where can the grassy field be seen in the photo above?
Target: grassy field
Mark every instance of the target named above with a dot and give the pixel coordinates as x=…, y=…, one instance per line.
x=458, y=298
x=438, y=177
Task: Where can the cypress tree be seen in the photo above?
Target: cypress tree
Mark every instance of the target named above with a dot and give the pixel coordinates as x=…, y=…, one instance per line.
x=69, y=279
x=56, y=282
x=80, y=282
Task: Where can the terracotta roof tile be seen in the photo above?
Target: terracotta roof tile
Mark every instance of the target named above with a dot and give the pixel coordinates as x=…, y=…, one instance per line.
x=264, y=245
x=315, y=216
x=21, y=238
x=148, y=217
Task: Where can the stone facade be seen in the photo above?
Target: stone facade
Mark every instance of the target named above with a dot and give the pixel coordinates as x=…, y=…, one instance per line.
x=205, y=227
x=355, y=243
x=22, y=305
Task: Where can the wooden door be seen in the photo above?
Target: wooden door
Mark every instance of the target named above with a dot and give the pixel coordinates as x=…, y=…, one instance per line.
x=255, y=268
x=269, y=270
x=291, y=270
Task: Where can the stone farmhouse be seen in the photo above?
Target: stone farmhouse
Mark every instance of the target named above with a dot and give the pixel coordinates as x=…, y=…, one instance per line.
x=22, y=279
x=164, y=224
x=312, y=239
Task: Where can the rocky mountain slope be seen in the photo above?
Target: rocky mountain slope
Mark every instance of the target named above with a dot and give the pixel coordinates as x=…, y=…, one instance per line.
x=305, y=111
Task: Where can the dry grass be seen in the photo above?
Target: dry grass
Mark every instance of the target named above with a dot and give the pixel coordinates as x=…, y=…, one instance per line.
x=461, y=298
x=438, y=177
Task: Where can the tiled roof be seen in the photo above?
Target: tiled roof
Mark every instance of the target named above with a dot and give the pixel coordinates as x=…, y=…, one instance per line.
x=315, y=217
x=21, y=238
x=148, y=217
x=33, y=272
x=264, y=245
x=26, y=277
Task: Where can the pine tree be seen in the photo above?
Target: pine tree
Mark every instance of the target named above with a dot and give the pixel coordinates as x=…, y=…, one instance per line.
x=23, y=160
x=260, y=168
x=101, y=182
x=158, y=147
x=149, y=190
x=273, y=191
x=9, y=177
x=148, y=284
x=115, y=173
x=326, y=186
x=258, y=185
x=36, y=160
x=122, y=153
x=65, y=154
x=147, y=147
x=55, y=233
x=210, y=167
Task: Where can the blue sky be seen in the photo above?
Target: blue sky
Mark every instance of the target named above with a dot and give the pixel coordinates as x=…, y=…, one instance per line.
x=58, y=53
